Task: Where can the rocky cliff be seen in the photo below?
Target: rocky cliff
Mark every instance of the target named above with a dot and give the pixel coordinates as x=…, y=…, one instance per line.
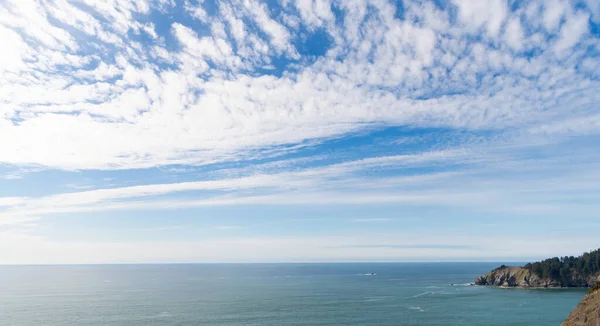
x=515, y=276
x=587, y=312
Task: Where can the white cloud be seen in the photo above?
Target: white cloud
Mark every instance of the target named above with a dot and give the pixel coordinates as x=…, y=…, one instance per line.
x=209, y=103
x=315, y=13
x=572, y=31
x=594, y=7
x=213, y=49
x=11, y=56
x=10, y=201
x=490, y=14
x=579, y=125
x=554, y=11
x=488, y=177
x=197, y=11
x=514, y=34
x=279, y=35
x=30, y=16
x=112, y=89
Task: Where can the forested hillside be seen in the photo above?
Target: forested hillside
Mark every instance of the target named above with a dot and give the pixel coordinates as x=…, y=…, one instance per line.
x=569, y=270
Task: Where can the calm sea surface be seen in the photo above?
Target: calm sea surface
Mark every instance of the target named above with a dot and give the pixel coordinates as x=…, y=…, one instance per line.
x=271, y=294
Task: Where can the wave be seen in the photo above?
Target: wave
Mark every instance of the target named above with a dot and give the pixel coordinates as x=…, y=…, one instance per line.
x=371, y=299
x=416, y=308
x=164, y=314
x=420, y=295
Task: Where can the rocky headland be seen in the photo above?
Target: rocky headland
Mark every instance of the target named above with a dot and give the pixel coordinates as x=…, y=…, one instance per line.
x=517, y=276
x=568, y=271
x=564, y=272
x=514, y=276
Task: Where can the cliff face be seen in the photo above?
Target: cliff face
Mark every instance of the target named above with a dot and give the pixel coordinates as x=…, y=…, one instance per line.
x=514, y=276
x=586, y=313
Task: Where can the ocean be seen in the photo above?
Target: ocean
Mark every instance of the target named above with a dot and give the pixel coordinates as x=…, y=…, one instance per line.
x=271, y=294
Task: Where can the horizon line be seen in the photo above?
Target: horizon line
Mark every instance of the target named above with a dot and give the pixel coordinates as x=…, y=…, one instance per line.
x=267, y=263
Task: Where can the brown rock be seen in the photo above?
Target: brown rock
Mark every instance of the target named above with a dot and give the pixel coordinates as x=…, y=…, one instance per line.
x=514, y=276
x=587, y=313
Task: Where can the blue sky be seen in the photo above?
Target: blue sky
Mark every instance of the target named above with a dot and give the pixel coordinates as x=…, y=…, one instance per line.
x=295, y=131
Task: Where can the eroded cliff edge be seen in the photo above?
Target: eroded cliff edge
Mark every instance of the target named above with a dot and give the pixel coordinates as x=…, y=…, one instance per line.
x=587, y=312
x=515, y=276
x=568, y=271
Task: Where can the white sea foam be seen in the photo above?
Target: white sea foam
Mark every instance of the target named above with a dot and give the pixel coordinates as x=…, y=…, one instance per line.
x=370, y=299
x=416, y=308
x=421, y=294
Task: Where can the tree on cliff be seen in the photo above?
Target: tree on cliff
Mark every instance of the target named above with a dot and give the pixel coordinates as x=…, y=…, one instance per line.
x=568, y=268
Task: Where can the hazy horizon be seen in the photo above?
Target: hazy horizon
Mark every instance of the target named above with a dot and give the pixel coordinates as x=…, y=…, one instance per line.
x=279, y=262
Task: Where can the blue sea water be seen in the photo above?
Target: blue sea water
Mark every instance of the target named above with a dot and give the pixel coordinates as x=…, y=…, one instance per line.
x=271, y=294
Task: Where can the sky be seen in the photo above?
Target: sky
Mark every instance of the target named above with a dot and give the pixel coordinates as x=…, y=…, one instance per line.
x=174, y=131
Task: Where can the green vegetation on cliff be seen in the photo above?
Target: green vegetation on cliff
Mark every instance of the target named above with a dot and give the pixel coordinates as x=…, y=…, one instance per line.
x=568, y=270
x=594, y=288
x=582, y=271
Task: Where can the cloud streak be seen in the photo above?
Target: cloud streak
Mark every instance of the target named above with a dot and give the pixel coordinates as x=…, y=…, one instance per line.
x=280, y=249
x=498, y=179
